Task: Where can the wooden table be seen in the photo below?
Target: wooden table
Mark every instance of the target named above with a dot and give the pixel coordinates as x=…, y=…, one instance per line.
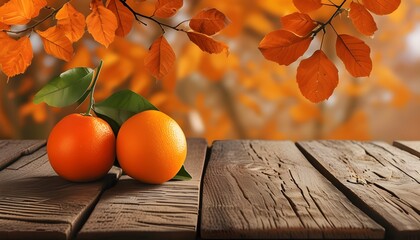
x=241, y=189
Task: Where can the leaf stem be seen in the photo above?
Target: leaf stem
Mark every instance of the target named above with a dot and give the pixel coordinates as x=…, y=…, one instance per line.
x=179, y=24
x=92, y=89
x=335, y=14
x=322, y=41
x=331, y=3
x=151, y=18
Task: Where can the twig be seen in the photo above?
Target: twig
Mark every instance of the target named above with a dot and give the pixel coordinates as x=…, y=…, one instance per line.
x=323, y=25
x=179, y=24
x=35, y=24
x=332, y=3
x=329, y=4
x=151, y=18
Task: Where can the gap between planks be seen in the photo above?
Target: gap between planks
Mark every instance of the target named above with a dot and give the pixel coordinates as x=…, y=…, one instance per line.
x=11, y=150
x=133, y=210
x=380, y=179
x=267, y=189
x=35, y=203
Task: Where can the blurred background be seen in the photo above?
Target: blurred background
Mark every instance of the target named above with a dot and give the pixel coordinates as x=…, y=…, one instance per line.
x=241, y=95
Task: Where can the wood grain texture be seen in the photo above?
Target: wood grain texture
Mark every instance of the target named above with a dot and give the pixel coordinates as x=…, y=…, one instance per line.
x=382, y=180
x=133, y=210
x=11, y=150
x=412, y=147
x=267, y=189
x=37, y=204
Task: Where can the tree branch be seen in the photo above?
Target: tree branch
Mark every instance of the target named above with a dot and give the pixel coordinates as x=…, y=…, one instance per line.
x=151, y=18
x=37, y=23
x=335, y=14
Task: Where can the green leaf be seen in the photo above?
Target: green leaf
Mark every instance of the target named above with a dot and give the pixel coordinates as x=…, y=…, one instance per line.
x=65, y=89
x=182, y=175
x=122, y=105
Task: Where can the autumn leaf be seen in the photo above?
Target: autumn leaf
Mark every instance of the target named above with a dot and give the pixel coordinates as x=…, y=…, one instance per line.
x=17, y=57
x=7, y=42
x=71, y=21
x=381, y=7
x=20, y=11
x=306, y=6
x=124, y=17
x=167, y=8
x=56, y=43
x=209, y=21
x=300, y=24
x=160, y=58
x=206, y=43
x=355, y=55
x=317, y=77
x=101, y=23
x=17, y=12
x=283, y=47
x=362, y=19
x=4, y=26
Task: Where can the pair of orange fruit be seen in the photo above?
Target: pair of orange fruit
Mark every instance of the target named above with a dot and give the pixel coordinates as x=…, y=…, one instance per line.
x=150, y=147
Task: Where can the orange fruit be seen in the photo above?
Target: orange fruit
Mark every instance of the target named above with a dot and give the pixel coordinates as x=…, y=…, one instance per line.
x=151, y=147
x=81, y=148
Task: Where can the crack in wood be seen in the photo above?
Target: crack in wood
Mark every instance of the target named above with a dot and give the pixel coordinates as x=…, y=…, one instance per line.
x=300, y=189
x=293, y=206
x=142, y=211
x=376, y=196
x=319, y=207
x=269, y=181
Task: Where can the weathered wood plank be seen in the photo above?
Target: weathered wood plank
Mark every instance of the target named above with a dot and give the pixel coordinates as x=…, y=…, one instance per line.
x=11, y=150
x=267, y=189
x=382, y=180
x=412, y=147
x=37, y=204
x=132, y=210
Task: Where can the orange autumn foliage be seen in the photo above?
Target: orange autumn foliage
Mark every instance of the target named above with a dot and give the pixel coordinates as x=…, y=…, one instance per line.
x=275, y=107
x=101, y=23
x=283, y=47
x=71, y=22
x=306, y=6
x=288, y=44
x=300, y=24
x=124, y=17
x=206, y=43
x=104, y=23
x=317, y=77
x=16, y=56
x=167, y=8
x=160, y=59
x=56, y=43
x=362, y=19
x=209, y=21
x=355, y=55
x=381, y=7
x=20, y=11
